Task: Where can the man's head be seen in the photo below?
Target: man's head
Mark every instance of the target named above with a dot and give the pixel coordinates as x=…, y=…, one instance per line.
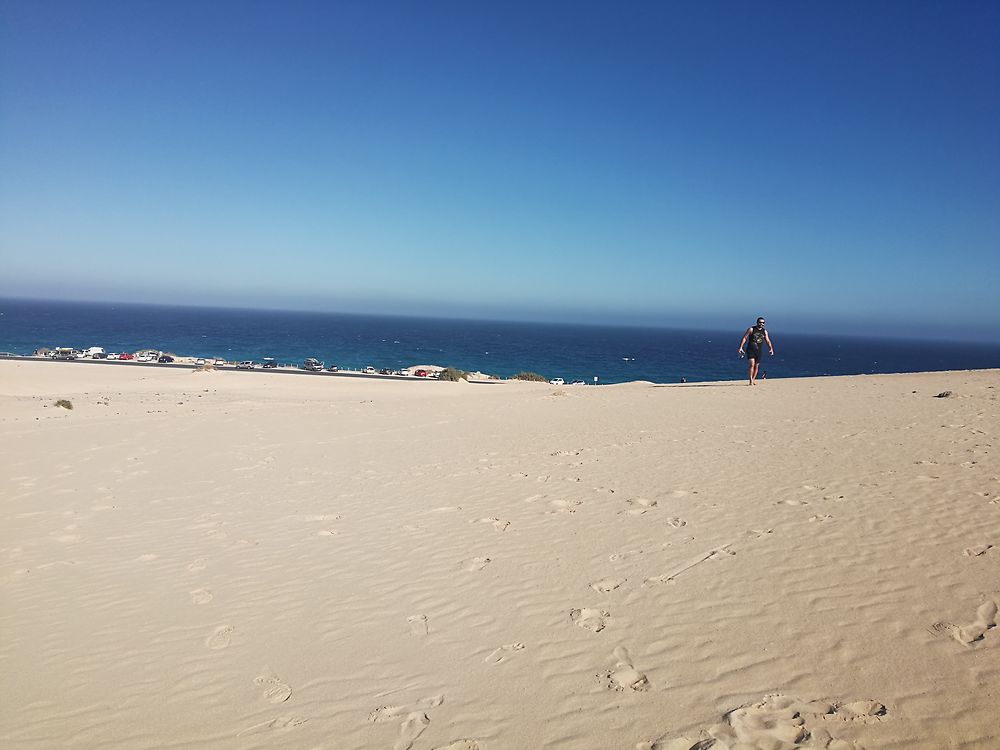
x=760, y=322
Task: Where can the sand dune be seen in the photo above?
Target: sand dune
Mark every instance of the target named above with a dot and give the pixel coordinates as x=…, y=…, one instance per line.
x=238, y=560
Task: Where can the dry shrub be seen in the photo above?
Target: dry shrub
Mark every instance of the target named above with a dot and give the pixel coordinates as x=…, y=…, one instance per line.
x=453, y=374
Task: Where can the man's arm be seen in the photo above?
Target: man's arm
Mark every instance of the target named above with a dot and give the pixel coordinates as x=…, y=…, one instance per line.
x=744, y=339
x=770, y=346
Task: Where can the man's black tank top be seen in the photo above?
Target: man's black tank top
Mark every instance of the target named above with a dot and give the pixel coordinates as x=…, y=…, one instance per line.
x=757, y=337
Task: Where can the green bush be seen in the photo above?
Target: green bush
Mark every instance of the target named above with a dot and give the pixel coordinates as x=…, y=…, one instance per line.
x=64, y=404
x=532, y=376
x=453, y=374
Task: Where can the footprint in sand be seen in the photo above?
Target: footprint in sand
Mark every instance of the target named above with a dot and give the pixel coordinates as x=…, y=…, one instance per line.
x=221, y=638
x=676, y=522
x=327, y=532
x=712, y=554
x=196, y=566
x=413, y=726
x=501, y=654
x=460, y=745
x=607, y=585
x=564, y=506
x=498, y=523
x=978, y=551
x=639, y=505
x=624, y=677
x=418, y=624
x=590, y=619
x=280, y=722
x=324, y=517
x=792, y=501
x=778, y=721
x=821, y=519
x=275, y=691
x=678, y=494
x=986, y=619
x=475, y=563
x=201, y=596
x=387, y=713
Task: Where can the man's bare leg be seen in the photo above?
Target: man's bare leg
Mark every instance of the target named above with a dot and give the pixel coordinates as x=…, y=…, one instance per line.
x=752, y=370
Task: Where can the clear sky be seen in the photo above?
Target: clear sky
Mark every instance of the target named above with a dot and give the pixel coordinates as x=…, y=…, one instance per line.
x=831, y=165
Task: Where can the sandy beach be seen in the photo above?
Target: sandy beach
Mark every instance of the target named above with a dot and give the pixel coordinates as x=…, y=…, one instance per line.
x=239, y=560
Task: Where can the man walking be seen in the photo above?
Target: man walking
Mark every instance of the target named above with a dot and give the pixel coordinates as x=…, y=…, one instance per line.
x=755, y=338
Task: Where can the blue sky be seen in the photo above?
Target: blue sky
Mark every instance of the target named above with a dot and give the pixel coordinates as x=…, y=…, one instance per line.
x=832, y=165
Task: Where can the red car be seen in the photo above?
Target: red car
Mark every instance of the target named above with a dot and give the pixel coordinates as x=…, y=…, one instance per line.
x=421, y=373
x=126, y=355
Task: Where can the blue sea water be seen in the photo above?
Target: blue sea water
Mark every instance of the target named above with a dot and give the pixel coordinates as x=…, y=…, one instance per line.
x=611, y=354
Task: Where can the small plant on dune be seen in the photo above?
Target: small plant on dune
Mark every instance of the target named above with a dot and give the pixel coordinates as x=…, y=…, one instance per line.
x=64, y=404
x=453, y=374
x=532, y=376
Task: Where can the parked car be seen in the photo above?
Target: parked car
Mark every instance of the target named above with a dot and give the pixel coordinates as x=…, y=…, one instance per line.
x=557, y=381
x=268, y=363
x=385, y=371
x=421, y=373
x=369, y=370
x=333, y=368
x=126, y=355
x=578, y=382
x=165, y=359
x=220, y=362
x=312, y=364
x=246, y=365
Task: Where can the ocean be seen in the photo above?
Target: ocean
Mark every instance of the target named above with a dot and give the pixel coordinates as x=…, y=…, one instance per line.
x=611, y=354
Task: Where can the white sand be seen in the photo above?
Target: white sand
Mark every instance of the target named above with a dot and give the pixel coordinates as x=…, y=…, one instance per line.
x=248, y=560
